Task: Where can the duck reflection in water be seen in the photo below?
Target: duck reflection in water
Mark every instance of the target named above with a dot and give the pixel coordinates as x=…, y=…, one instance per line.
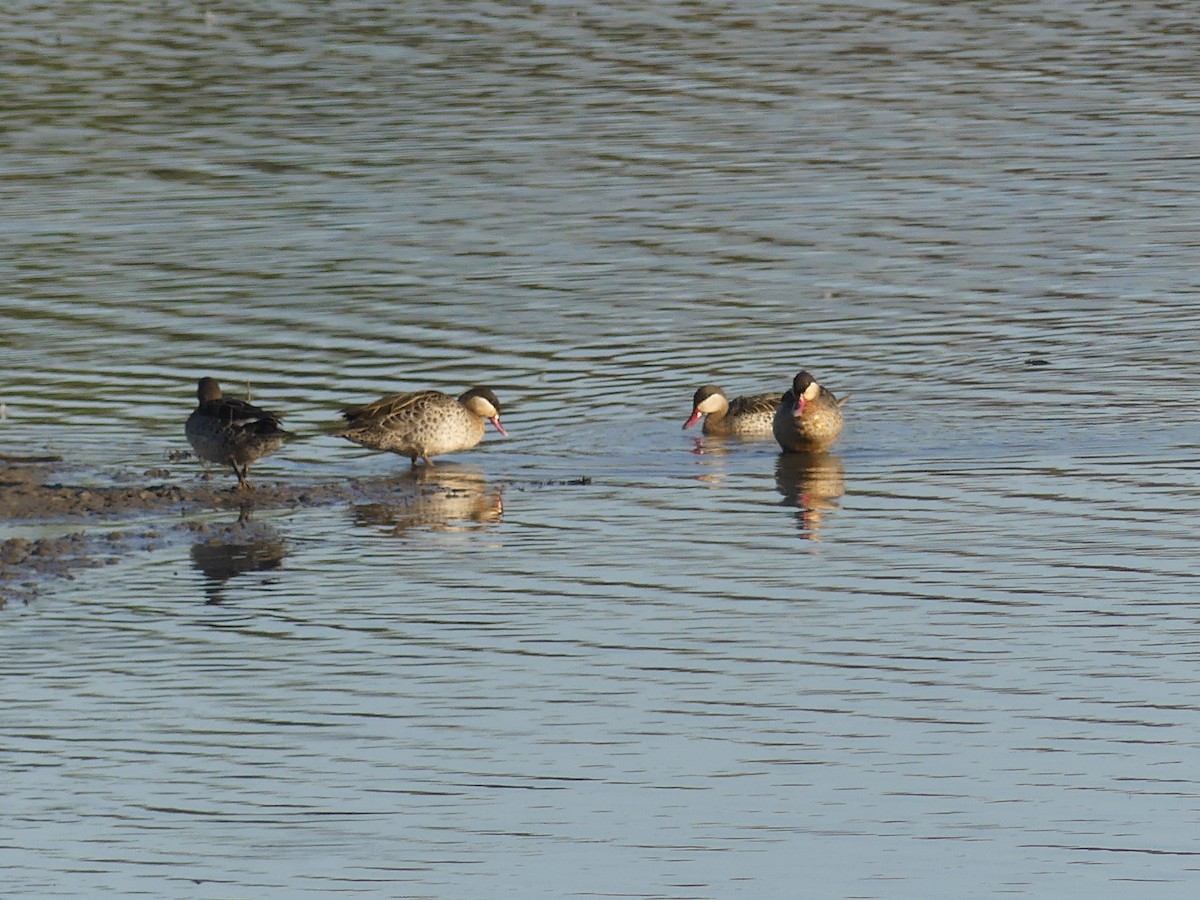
x=444, y=498
x=222, y=552
x=811, y=482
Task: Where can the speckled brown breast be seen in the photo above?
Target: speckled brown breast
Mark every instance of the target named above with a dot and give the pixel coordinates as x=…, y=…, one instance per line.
x=816, y=430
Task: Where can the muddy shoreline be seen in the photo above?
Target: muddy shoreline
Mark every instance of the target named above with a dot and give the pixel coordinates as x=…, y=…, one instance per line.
x=36, y=496
x=88, y=526
x=42, y=492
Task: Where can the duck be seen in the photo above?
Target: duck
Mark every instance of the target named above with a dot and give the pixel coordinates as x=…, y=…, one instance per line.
x=809, y=417
x=422, y=424
x=744, y=416
x=231, y=431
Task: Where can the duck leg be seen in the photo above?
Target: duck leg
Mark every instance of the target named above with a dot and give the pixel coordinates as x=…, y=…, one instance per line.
x=243, y=484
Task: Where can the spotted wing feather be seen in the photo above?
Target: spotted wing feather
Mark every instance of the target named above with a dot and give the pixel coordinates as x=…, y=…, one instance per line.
x=387, y=412
x=757, y=404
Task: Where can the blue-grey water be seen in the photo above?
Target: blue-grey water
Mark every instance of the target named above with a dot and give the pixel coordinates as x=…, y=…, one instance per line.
x=956, y=658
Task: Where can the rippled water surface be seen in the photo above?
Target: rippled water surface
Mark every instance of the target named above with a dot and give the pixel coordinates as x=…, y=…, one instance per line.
x=606, y=657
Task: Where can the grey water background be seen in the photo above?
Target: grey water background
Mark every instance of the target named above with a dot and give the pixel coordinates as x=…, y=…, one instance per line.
x=957, y=658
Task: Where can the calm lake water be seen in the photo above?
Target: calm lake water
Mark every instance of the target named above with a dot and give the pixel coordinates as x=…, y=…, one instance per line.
x=957, y=658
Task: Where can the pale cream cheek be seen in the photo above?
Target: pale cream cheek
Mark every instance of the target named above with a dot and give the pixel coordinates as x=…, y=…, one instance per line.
x=811, y=392
x=711, y=404
x=482, y=408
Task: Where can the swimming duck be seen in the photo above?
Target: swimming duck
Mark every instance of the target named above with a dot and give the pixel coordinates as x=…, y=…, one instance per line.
x=231, y=431
x=745, y=416
x=809, y=418
x=423, y=424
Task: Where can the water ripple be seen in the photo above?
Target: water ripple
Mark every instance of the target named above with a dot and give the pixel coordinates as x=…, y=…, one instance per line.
x=962, y=644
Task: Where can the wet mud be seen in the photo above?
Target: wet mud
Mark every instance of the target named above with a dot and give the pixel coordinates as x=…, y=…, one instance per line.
x=88, y=526
x=70, y=521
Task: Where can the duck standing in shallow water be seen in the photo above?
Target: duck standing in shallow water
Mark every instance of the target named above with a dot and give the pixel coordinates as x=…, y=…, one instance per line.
x=423, y=424
x=809, y=418
x=230, y=431
x=744, y=416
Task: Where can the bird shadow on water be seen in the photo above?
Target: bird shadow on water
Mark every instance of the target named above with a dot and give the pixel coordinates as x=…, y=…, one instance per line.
x=813, y=484
x=224, y=552
x=442, y=497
